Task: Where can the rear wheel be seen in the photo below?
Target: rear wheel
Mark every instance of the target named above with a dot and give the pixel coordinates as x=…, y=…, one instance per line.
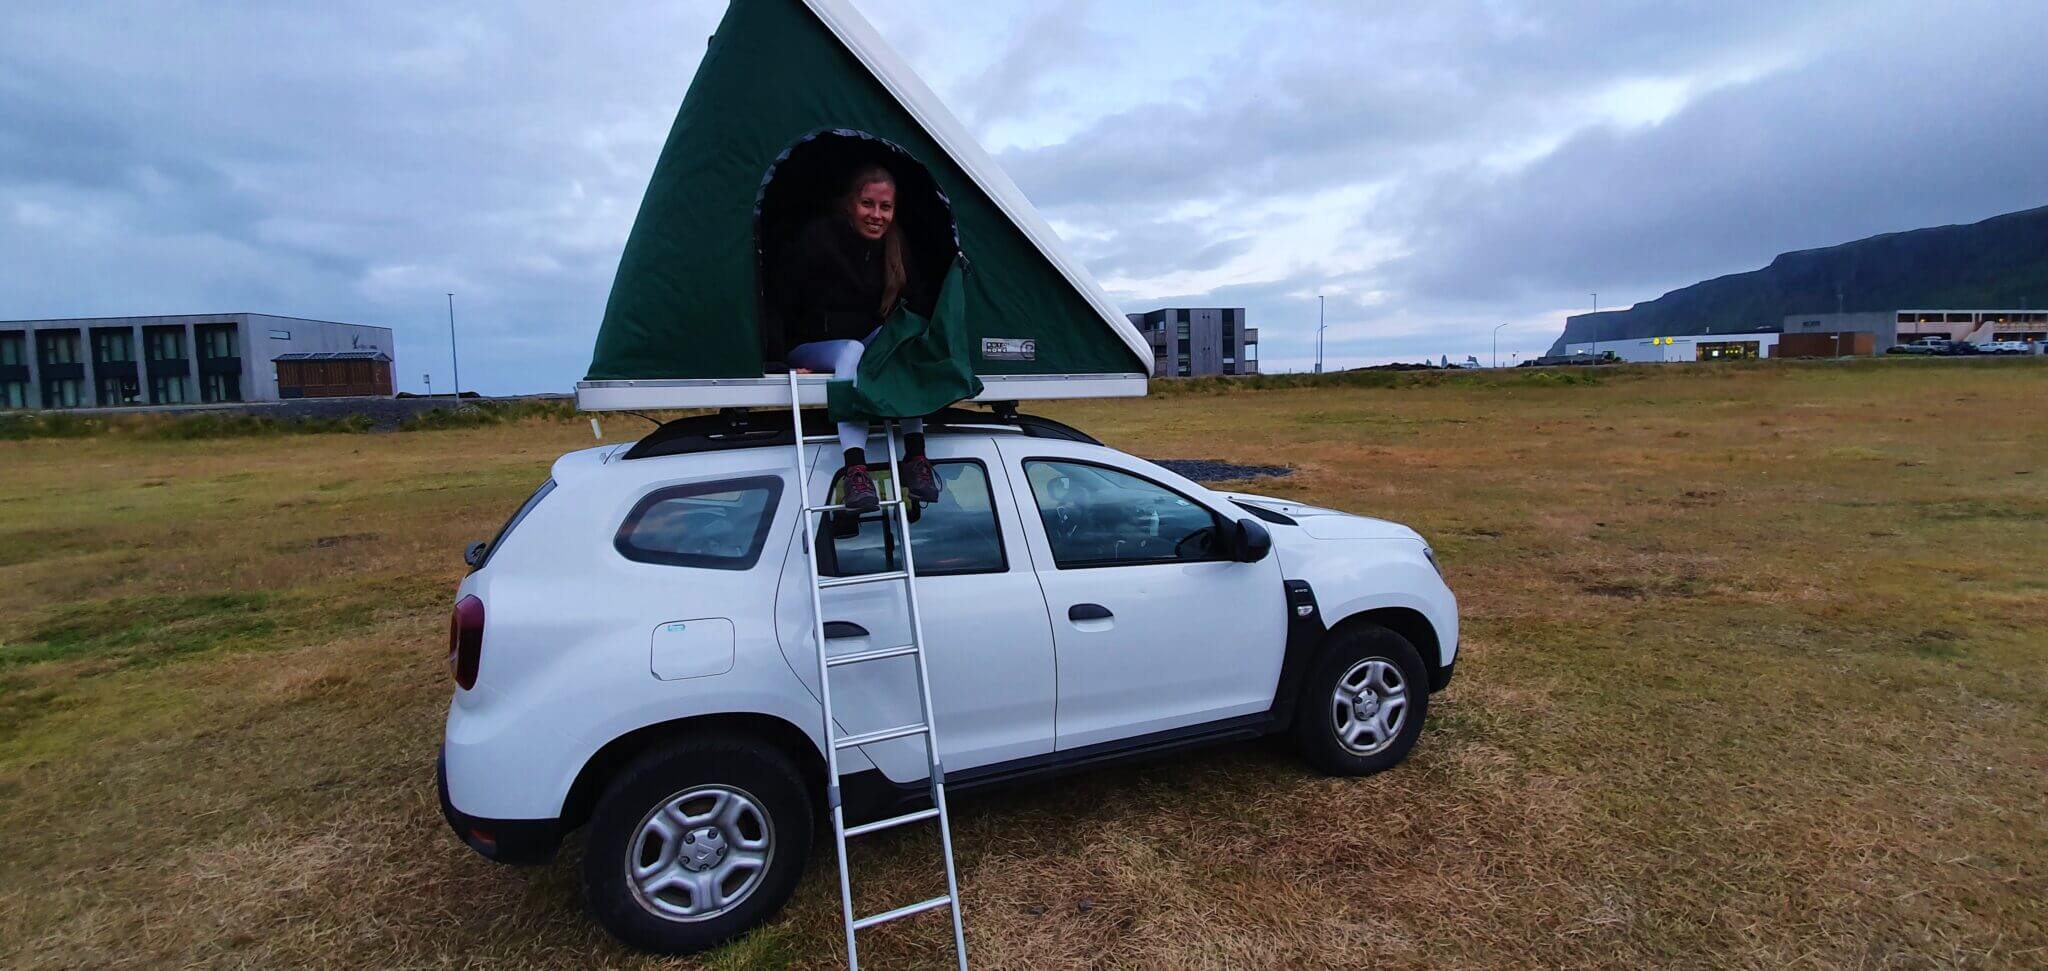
x=696, y=842
x=1362, y=705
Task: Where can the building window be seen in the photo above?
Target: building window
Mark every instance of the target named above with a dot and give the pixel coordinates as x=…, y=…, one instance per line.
x=280, y=335
x=164, y=343
x=219, y=388
x=1725, y=350
x=169, y=389
x=111, y=347
x=11, y=353
x=216, y=341
x=63, y=393
x=57, y=347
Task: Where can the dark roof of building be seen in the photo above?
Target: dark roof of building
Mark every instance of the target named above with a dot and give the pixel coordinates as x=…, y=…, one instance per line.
x=333, y=356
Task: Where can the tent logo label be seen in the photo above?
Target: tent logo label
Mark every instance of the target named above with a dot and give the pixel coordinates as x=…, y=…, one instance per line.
x=1009, y=349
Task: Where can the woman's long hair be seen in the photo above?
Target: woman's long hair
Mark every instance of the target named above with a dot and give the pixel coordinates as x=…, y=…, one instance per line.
x=893, y=274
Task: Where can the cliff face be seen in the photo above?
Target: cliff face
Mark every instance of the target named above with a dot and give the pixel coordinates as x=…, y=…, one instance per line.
x=1995, y=263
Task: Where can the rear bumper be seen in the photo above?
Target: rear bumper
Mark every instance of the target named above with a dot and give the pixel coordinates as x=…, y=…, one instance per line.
x=520, y=841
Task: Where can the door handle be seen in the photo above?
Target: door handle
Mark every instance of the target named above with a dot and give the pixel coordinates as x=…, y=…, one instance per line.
x=1088, y=612
x=842, y=629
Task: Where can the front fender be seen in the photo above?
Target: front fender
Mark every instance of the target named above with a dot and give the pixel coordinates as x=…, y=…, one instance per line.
x=1351, y=577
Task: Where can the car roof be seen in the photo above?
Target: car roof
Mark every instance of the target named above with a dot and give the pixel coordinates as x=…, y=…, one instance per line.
x=739, y=429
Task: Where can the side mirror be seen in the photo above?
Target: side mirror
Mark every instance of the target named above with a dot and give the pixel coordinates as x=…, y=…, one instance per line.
x=474, y=556
x=1249, y=541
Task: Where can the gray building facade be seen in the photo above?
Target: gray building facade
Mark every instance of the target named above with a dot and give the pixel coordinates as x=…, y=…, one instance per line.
x=1192, y=342
x=113, y=362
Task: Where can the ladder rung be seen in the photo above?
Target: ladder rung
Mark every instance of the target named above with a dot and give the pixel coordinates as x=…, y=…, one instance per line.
x=841, y=507
x=874, y=655
x=816, y=439
x=904, y=911
x=831, y=582
x=886, y=734
x=891, y=823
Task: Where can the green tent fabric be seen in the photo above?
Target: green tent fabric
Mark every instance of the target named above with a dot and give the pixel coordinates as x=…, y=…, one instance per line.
x=914, y=366
x=778, y=90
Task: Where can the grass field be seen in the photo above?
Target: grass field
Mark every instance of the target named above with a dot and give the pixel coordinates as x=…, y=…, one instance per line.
x=1755, y=674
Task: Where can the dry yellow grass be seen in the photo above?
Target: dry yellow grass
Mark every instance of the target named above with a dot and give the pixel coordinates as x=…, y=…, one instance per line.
x=1755, y=674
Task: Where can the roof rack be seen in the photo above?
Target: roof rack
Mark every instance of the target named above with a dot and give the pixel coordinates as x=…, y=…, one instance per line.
x=736, y=428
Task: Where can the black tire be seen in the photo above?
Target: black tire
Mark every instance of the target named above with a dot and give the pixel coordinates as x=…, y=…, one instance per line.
x=758, y=772
x=1317, y=712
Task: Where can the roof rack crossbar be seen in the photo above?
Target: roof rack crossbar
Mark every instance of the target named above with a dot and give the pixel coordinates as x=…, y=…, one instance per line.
x=735, y=428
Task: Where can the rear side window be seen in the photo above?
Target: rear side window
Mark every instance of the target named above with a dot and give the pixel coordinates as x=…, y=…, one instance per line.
x=513, y=523
x=954, y=536
x=708, y=525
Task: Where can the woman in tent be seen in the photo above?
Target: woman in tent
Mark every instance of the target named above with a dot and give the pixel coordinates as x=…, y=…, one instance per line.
x=836, y=282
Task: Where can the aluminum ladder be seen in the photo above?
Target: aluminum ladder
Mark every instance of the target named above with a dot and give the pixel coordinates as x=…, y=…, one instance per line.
x=835, y=742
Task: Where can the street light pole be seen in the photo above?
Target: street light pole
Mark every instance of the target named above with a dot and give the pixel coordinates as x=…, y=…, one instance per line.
x=453, y=357
x=1496, y=343
x=1320, y=327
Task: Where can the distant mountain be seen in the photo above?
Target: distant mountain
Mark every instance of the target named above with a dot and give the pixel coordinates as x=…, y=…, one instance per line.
x=1996, y=263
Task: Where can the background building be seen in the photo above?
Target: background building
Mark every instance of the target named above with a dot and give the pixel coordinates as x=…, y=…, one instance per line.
x=1844, y=329
x=1199, y=341
x=1975, y=326
x=1693, y=347
x=111, y=362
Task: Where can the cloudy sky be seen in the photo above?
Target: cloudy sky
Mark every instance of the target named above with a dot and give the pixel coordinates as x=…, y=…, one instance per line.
x=1435, y=169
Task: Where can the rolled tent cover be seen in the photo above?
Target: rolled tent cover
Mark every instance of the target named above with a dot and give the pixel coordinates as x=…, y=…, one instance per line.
x=778, y=90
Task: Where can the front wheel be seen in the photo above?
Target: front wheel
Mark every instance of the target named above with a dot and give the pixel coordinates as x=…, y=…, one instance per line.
x=1362, y=705
x=695, y=843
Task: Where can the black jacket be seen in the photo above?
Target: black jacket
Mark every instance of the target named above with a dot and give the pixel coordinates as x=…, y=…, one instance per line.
x=826, y=284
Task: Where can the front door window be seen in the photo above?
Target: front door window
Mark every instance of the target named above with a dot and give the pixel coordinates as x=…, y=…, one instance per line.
x=1098, y=516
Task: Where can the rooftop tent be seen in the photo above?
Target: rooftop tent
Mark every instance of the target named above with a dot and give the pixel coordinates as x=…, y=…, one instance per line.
x=791, y=96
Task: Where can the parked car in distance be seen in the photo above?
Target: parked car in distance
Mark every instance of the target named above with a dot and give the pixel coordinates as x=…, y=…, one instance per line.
x=633, y=653
x=1924, y=345
x=2005, y=347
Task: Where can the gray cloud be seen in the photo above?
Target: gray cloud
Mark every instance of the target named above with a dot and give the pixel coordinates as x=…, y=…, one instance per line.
x=1864, y=141
x=356, y=160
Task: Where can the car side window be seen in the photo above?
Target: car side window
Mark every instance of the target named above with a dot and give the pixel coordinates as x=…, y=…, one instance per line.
x=708, y=525
x=956, y=535
x=1098, y=516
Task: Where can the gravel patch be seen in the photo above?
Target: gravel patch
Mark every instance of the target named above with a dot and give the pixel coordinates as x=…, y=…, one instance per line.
x=1212, y=470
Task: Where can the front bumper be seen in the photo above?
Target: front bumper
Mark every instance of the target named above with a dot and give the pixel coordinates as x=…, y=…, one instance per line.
x=520, y=841
x=1440, y=678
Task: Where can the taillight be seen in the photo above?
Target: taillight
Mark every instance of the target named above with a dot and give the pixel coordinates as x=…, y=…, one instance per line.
x=466, y=641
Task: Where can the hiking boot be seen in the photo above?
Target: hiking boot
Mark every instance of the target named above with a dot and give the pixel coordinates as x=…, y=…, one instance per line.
x=860, y=490
x=920, y=479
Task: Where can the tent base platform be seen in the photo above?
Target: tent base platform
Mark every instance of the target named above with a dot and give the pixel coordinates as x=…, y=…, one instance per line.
x=772, y=391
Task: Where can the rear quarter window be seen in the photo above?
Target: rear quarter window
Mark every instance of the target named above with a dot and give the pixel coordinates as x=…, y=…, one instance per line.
x=719, y=525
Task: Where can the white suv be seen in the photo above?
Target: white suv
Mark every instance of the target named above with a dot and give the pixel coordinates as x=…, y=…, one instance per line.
x=633, y=652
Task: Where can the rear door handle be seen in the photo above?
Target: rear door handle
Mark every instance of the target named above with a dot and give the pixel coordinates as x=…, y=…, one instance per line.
x=841, y=629
x=1088, y=612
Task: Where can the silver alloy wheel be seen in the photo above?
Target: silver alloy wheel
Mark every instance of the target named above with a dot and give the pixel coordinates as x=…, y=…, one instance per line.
x=699, y=853
x=1369, y=706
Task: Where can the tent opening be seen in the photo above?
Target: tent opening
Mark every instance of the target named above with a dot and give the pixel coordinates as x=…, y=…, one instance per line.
x=808, y=180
